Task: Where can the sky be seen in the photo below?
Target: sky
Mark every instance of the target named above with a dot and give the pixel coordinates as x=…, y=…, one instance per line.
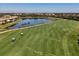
x=39, y=7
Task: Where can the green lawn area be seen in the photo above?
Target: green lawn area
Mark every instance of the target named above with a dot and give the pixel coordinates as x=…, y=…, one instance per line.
x=58, y=38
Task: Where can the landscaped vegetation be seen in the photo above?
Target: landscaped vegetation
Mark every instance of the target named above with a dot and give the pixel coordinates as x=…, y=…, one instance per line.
x=56, y=38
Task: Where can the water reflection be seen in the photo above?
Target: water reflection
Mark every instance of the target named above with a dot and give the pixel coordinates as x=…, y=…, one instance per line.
x=29, y=22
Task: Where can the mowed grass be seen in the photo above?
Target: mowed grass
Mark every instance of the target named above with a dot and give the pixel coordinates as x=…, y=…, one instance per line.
x=59, y=38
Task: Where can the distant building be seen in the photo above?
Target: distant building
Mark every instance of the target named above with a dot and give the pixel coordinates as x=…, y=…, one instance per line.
x=7, y=18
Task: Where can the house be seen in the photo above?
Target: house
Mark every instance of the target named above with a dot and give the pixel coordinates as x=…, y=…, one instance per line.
x=2, y=21
x=7, y=18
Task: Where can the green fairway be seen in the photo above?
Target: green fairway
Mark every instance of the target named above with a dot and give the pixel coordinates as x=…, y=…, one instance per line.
x=58, y=38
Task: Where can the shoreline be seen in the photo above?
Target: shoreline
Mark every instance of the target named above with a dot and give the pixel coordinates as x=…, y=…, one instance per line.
x=23, y=28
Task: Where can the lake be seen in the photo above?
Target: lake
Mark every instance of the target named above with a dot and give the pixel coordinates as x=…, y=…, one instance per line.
x=29, y=22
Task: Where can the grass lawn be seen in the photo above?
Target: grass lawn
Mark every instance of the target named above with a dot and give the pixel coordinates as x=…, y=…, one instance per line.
x=58, y=38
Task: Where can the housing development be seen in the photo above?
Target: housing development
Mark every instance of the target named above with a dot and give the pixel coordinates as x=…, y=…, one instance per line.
x=7, y=18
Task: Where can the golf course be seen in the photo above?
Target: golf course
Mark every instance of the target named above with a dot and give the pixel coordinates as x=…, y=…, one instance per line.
x=57, y=38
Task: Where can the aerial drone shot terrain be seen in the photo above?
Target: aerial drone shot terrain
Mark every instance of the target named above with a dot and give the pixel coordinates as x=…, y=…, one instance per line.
x=39, y=29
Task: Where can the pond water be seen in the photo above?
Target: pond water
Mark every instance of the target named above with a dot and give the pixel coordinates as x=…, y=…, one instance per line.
x=29, y=22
